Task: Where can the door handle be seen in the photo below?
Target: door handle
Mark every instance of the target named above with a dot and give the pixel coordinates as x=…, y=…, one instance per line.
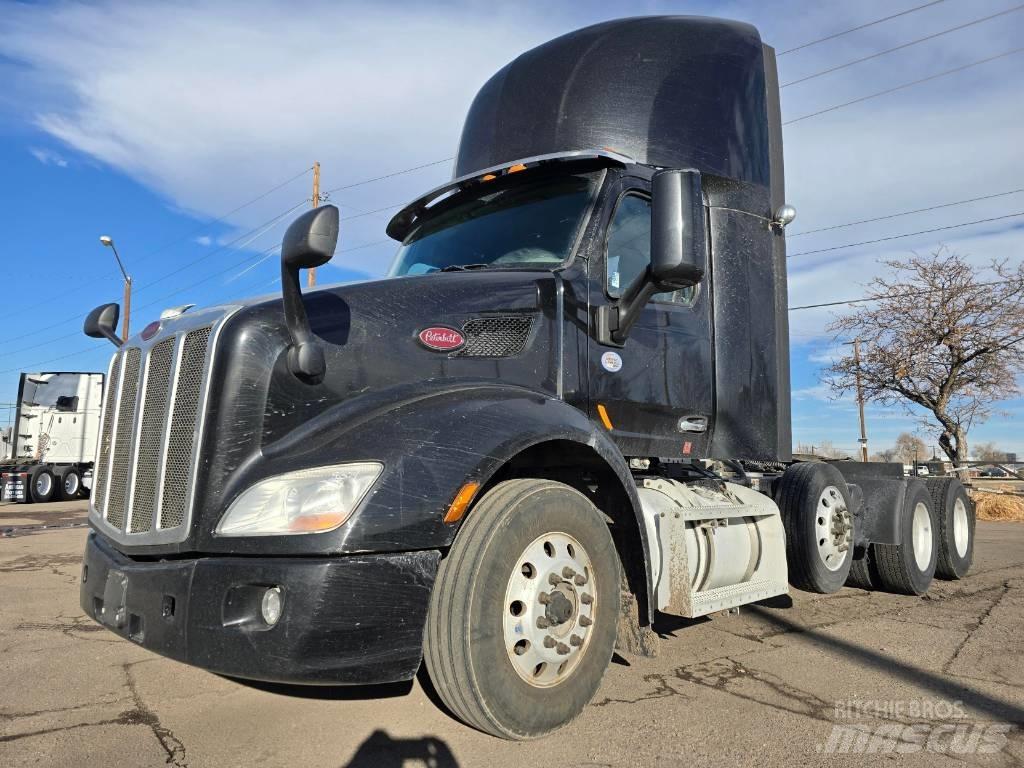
x=693, y=424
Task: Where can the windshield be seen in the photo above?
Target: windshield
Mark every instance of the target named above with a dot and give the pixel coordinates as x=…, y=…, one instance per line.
x=530, y=223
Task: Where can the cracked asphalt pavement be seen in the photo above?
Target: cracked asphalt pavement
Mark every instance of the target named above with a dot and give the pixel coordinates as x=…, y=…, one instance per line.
x=768, y=686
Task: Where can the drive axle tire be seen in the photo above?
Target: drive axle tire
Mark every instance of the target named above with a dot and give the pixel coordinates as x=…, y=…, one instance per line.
x=955, y=512
x=862, y=572
x=908, y=567
x=523, y=614
x=70, y=485
x=816, y=513
x=41, y=485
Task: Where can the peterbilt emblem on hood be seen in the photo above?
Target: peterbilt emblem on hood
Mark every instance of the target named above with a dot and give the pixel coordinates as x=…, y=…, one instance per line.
x=442, y=339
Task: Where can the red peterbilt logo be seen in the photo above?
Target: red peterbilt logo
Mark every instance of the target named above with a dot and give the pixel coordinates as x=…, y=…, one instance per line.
x=442, y=339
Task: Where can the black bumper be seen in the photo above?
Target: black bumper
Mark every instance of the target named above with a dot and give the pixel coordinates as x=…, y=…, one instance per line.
x=345, y=620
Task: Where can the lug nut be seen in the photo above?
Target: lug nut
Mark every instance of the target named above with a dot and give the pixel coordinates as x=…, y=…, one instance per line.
x=586, y=621
x=580, y=580
x=553, y=580
x=542, y=622
x=586, y=598
x=568, y=572
x=549, y=641
x=576, y=640
x=562, y=649
x=544, y=598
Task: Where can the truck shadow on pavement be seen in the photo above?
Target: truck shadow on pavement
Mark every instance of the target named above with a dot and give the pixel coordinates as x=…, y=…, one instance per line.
x=329, y=692
x=380, y=750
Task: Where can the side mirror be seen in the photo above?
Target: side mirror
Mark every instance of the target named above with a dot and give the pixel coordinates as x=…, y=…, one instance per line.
x=678, y=252
x=309, y=242
x=678, y=237
x=102, y=321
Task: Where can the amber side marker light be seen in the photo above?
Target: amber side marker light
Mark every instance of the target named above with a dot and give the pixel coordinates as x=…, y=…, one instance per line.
x=488, y=177
x=603, y=413
x=516, y=168
x=461, y=503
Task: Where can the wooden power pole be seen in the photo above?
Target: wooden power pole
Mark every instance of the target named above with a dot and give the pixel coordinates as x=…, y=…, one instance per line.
x=311, y=274
x=860, y=401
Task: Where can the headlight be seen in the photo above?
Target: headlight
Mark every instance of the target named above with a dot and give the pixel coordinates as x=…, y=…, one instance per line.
x=306, y=501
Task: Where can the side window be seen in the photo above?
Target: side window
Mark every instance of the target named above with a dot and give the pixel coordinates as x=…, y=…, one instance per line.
x=629, y=250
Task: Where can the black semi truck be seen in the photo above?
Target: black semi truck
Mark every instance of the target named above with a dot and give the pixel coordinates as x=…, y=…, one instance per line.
x=569, y=395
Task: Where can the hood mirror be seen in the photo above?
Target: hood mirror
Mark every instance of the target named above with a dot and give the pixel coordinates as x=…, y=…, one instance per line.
x=102, y=321
x=309, y=242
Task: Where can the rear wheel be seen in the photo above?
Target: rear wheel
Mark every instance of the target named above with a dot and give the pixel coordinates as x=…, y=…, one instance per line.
x=815, y=504
x=523, y=615
x=42, y=485
x=955, y=513
x=70, y=485
x=908, y=567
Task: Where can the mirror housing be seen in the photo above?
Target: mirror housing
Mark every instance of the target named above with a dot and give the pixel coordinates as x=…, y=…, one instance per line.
x=679, y=252
x=101, y=322
x=309, y=242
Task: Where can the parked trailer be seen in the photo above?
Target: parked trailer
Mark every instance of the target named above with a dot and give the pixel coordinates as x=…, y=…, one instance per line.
x=48, y=451
x=571, y=394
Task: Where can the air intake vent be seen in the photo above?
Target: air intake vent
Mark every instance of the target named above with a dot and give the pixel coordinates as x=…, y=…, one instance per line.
x=495, y=336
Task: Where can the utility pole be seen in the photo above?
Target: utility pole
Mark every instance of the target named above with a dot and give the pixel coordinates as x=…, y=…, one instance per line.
x=860, y=402
x=311, y=274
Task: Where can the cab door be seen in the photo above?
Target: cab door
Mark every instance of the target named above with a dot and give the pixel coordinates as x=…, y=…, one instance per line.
x=655, y=393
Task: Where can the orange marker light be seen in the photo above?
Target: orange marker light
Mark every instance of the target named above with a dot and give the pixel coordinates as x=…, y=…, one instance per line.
x=488, y=177
x=516, y=168
x=603, y=413
x=461, y=503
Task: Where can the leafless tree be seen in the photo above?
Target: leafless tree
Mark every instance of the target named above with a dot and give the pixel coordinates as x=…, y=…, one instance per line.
x=887, y=455
x=989, y=452
x=910, y=448
x=942, y=335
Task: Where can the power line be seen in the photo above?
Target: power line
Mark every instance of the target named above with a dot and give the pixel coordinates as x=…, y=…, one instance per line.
x=900, y=47
x=906, y=294
x=907, y=234
x=904, y=213
x=903, y=86
x=389, y=175
x=859, y=27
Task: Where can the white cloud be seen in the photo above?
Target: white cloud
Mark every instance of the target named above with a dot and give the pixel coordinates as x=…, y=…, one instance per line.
x=204, y=240
x=48, y=157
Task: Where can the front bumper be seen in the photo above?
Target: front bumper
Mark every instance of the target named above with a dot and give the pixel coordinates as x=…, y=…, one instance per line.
x=346, y=620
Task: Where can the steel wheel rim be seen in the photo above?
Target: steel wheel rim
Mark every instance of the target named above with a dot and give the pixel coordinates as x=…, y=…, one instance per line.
x=44, y=484
x=961, y=527
x=921, y=536
x=71, y=484
x=546, y=636
x=832, y=529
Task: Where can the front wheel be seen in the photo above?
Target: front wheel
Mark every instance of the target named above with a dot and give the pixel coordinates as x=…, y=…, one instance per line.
x=523, y=615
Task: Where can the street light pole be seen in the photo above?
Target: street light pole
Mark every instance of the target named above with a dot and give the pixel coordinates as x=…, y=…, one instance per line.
x=108, y=241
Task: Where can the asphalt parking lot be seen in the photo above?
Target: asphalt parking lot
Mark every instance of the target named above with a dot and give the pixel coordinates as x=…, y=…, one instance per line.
x=814, y=679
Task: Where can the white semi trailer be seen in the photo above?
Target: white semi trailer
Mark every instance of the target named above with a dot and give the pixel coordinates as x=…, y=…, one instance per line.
x=47, y=453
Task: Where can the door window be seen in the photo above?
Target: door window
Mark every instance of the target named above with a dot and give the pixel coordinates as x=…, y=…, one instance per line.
x=629, y=251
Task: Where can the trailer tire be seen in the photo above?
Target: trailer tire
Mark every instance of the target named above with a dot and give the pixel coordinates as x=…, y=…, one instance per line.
x=69, y=484
x=955, y=512
x=909, y=566
x=816, y=513
x=483, y=646
x=41, y=485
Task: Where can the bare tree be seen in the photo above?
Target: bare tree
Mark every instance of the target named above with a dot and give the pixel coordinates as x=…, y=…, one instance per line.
x=941, y=335
x=910, y=448
x=887, y=455
x=825, y=449
x=989, y=452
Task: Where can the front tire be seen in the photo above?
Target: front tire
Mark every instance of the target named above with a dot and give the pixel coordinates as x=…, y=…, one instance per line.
x=523, y=615
x=909, y=566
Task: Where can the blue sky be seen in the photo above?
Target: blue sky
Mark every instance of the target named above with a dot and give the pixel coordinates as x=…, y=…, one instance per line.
x=150, y=121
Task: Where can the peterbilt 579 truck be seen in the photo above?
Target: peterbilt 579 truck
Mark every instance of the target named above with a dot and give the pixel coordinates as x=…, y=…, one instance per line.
x=570, y=394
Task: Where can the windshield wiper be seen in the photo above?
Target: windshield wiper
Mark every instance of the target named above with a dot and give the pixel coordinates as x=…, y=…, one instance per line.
x=462, y=267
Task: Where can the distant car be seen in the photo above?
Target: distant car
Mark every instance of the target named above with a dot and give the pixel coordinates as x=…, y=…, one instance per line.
x=994, y=472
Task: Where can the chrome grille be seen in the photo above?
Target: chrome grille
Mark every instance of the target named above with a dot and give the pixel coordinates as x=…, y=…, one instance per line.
x=181, y=440
x=154, y=417
x=152, y=420
x=123, y=434
x=99, y=491
x=495, y=336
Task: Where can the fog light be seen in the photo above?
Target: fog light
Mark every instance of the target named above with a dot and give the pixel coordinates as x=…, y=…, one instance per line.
x=271, y=604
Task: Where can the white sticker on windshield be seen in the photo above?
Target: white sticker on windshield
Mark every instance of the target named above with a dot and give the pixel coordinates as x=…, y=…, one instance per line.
x=611, y=362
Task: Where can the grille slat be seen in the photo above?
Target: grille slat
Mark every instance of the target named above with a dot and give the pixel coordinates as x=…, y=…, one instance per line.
x=125, y=431
x=495, y=336
x=99, y=491
x=154, y=417
x=174, y=500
